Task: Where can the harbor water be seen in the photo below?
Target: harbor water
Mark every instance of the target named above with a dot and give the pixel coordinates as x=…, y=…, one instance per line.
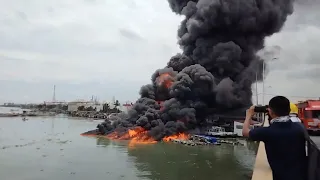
x=51, y=148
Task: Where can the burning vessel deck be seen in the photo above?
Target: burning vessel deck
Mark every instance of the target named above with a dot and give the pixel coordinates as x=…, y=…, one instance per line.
x=224, y=120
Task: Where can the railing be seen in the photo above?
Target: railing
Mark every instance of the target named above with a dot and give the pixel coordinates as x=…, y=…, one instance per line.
x=262, y=169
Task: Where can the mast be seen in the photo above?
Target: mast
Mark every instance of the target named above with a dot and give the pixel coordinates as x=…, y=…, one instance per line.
x=54, y=94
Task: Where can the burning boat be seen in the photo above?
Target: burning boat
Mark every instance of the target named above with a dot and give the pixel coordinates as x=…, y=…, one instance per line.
x=215, y=70
x=136, y=135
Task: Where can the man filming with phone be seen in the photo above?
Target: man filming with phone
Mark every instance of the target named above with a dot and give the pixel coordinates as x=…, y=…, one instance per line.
x=284, y=140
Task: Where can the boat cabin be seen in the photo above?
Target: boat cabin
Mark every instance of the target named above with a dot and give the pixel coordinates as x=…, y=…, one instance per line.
x=238, y=125
x=218, y=131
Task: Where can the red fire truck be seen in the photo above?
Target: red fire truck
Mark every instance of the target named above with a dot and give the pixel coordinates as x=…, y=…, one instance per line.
x=309, y=113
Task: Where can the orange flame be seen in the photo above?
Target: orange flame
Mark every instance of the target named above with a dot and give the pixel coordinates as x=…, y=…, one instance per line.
x=161, y=105
x=139, y=135
x=180, y=136
x=136, y=136
x=166, y=80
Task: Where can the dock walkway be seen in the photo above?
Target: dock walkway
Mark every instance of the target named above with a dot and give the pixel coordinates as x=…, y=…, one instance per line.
x=262, y=169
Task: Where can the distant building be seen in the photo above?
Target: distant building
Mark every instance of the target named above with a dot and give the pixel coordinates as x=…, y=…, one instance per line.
x=94, y=105
x=111, y=104
x=74, y=105
x=55, y=103
x=123, y=107
x=126, y=107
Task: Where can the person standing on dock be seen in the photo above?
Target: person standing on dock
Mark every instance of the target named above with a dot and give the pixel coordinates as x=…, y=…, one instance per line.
x=284, y=141
x=294, y=113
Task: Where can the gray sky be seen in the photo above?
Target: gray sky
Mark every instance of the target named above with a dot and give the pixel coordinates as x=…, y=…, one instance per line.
x=111, y=48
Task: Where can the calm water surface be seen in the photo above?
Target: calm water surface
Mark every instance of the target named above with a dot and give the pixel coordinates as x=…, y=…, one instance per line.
x=51, y=148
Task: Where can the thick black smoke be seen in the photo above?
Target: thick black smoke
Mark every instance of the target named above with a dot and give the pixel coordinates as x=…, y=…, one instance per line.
x=219, y=39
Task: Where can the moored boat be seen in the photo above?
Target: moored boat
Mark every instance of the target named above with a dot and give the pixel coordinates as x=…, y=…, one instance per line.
x=217, y=131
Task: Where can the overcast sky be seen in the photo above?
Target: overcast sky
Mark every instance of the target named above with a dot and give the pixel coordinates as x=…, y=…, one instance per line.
x=111, y=48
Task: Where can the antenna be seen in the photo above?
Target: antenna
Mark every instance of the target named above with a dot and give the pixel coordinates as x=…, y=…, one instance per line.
x=257, y=95
x=54, y=94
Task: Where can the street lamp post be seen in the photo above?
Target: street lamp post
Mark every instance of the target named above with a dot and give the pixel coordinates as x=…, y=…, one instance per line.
x=263, y=78
x=270, y=55
x=257, y=96
x=263, y=83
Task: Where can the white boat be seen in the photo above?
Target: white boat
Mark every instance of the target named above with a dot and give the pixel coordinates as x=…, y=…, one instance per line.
x=219, y=131
x=238, y=125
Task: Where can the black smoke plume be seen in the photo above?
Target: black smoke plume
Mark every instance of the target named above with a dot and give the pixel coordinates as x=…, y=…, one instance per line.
x=219, y=39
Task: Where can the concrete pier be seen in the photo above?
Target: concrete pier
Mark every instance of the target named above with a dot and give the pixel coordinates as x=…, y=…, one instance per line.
x=262, y=169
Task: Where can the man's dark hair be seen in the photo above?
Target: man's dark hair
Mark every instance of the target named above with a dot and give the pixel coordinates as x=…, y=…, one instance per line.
x=280, y=105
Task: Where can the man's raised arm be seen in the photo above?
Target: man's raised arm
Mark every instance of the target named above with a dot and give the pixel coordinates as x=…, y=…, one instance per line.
x=257, y=134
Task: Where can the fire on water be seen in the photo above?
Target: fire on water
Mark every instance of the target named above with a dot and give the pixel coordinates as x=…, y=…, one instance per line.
x=139, y=135
x=136, y=136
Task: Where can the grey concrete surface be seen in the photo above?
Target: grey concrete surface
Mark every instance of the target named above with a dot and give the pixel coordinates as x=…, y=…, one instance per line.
x=316, y=139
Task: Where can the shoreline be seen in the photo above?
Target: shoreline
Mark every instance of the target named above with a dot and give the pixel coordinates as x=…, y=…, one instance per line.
x=9, y=115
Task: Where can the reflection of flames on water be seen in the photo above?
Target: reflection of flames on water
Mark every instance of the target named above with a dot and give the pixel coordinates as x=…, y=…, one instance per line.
x=139, y=135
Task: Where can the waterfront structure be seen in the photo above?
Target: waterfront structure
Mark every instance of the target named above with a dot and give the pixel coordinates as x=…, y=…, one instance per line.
x=55, y=103
x=74, y=105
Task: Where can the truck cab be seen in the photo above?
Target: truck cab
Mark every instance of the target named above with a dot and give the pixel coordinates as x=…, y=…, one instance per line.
x=309, y=113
